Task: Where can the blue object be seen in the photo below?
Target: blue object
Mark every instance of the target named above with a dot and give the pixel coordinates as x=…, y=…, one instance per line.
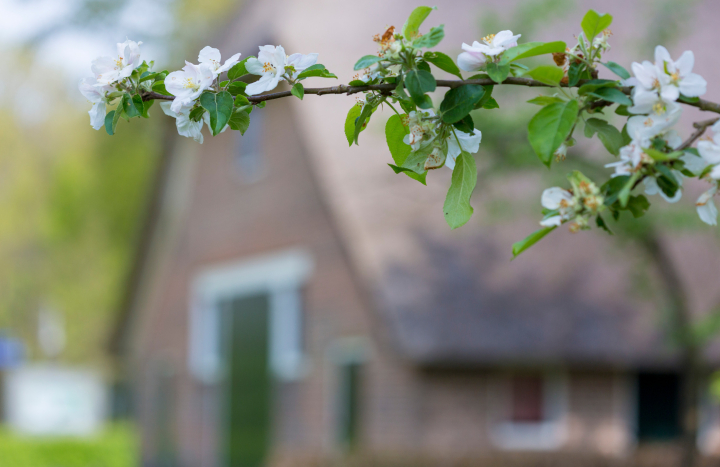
x=12, y=352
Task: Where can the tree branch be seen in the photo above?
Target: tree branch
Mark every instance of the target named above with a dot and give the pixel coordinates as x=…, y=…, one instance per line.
x=387, y=88
x=701, y=127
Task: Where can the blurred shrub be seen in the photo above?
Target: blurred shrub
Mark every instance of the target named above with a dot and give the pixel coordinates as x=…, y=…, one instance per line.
x=117, y=446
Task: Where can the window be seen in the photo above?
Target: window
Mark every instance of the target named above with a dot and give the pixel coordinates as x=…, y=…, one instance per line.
x=348, y=411
x=249, y=160
x=529, y=411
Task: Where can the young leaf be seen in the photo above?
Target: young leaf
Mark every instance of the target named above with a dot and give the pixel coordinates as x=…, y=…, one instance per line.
x=418, y=82
x=412, y=25
x=196, y=114
x=146, y=107
x=237, y=88
x=443, y=62
x=498, y=72
x=532, y=49
x=367, y=61
x=352, y=116
x=550, y=127
x=317, y=70
x=595, y=84
x=415, y=161
x=545, y=100
x=395, y=131
x=530, y=240
x=624, y=194
x=419, y=177
x=608, y=134
x=239, y=121
x=547, y=74
x=638, y=205
x=457, y=209
x=298, y=91
x=132, y=105
x=459, y=102
x=159, y=87
x=220, y=107
x=574, y=72
x=612, y=95
x=110, y=122
x=431, y=39
x=600, y=222
x=491, y=104
x=617, y=69
x=593, y=24
x=362, y=120
x=238, y=69
x=466, y=125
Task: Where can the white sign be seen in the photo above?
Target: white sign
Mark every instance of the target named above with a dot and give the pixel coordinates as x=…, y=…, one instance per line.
x=51, y=400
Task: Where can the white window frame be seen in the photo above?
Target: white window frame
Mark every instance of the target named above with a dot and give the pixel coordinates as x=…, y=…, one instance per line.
x=281, y=275
x=549, y=434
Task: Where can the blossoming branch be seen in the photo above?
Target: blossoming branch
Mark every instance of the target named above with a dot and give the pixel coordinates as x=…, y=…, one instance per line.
x=649, y=155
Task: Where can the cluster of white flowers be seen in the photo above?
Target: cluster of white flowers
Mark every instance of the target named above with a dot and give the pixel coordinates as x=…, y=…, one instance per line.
x=576, y=205
x=475, y=56
x=273, y=66
x=109, y=76
x=656, y=87
x=424, y=132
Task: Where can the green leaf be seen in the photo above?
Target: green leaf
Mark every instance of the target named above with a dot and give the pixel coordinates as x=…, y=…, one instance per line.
x=466, y=125
x=239, y=69
x=316, y=70
x=593, y=24
x=486, y=97
x=431, y=39
x=395, y=131
x=545, y=100
x=608, y=134
x=159, y=87
x=497, y=72
x=459, y=102
x=595, y=84
x=550, y=127
x=237, y=88
x=366, y=61
x=412, y=25
x=352, y=116
x=600, y=222
x=110, y=122
x=418, y=82
x=638, y=205
x=574, y=72
x=530, y=240
x=457, y=209
x=422, y=65
x=239, y=121
x=298, y=91
x=689, y=100
x=146, y=107
x=132, y=106
x=611, y=95
x=547, y=74
x=241, y=100
x=660, y=156
x=220, y=107
x=362, y=121
x=491, y=104
x=617, y=69
x=419, y=177
x=415, y=161
x=196, y=114
x=442, y=61
x=624, y=194
x=532, y=49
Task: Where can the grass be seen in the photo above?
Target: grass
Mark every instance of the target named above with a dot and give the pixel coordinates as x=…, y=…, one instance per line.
x=116, y=446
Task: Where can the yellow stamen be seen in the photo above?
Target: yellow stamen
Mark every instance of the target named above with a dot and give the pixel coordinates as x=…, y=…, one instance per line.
x=267, y=67
x=488, y=39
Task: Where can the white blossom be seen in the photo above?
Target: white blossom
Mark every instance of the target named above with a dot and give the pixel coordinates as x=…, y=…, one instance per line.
x=680, y=73
x=273, y=66
x=188, y=84
x=185, y=126
x=559, y=199
x=211, y=57
x=643, y=128
x=422, y=128
x=474, y=56
x=109, y=70
x=468, y=142
x=652, y=187
x=706, y=206
x=97, y=96
x=632, y=157
x=652, y=89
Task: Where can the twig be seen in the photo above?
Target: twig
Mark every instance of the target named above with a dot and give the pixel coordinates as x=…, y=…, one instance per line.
x=387, y=88
x=701, y=127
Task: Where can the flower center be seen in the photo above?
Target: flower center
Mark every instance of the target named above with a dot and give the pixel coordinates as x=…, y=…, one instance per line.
x=658, y=108
x=656, y=83
x=488, y=39
x=118, y=63
x=675, y=76
x=268, y=68
x=190, y=84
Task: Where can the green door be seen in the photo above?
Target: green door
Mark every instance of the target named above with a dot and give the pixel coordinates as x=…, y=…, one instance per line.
x=248, y=383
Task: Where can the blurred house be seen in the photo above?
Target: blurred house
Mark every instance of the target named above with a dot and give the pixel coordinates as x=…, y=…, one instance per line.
x=294, y=301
